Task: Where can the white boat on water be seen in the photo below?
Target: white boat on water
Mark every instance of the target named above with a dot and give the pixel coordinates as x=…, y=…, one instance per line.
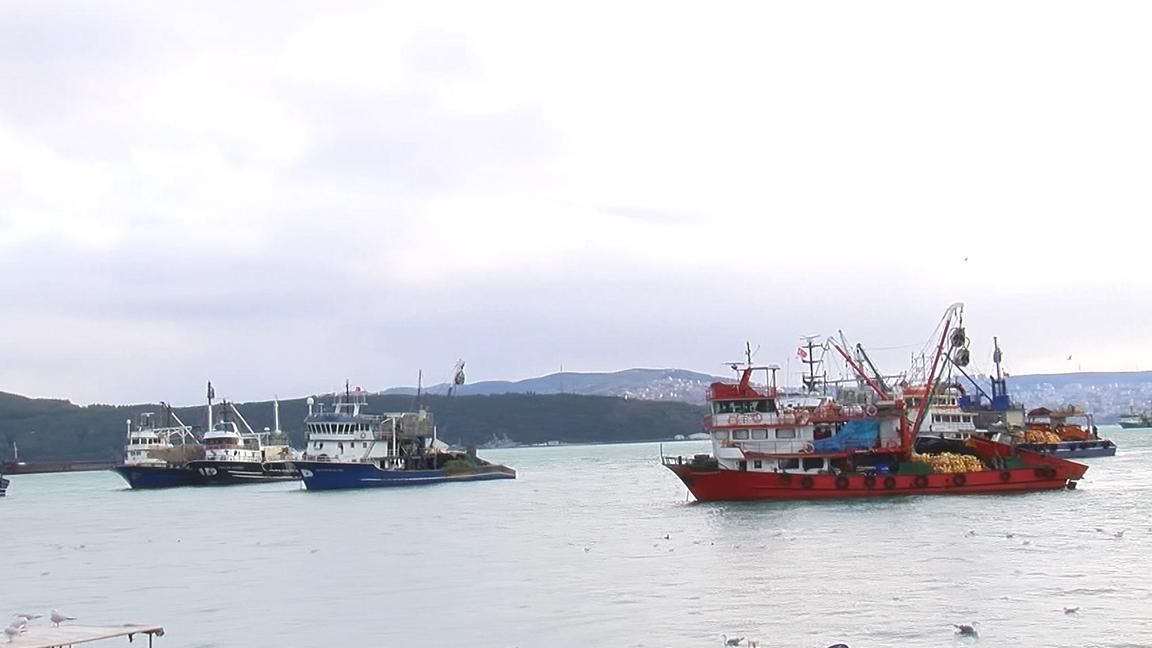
x=156, y=456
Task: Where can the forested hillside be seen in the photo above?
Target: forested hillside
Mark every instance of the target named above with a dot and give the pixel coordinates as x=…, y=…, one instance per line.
x=55, y=429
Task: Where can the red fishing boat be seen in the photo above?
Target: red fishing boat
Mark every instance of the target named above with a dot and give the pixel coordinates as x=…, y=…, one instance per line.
x=763, y=448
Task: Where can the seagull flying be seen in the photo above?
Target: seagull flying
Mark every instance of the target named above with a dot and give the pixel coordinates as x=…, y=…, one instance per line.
x=1071, y=610
x=27, y=617
x=58, y=618
x=965, y=630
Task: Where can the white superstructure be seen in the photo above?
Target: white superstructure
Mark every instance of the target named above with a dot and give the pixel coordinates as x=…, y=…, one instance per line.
x=347, y=433
x=148, y=445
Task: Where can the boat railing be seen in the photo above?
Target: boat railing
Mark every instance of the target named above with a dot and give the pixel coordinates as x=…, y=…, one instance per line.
x=773, y=446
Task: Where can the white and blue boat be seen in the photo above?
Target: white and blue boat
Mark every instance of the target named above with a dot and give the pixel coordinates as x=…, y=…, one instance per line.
x=156, y=456
x=350, y=448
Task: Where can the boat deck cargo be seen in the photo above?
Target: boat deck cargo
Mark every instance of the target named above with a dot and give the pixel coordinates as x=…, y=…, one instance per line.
x=763, y=448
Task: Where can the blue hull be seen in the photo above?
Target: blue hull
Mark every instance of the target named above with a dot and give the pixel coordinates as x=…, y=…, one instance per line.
x=157, y=477
x=322, y=475
x=1073, y=449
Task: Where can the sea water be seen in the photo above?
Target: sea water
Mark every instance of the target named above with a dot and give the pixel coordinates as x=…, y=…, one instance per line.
x=590, y=546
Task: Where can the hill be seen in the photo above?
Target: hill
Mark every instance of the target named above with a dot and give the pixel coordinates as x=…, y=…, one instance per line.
x=647, y=384
x=47, y=430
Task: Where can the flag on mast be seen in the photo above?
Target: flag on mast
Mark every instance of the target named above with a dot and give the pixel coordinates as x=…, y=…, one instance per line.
x=211, y=392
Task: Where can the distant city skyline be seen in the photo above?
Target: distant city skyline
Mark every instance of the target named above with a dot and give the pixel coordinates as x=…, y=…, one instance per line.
x=279, y=198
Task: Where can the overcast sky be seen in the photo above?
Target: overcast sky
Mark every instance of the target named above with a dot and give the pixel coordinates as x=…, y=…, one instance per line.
x=281, y=195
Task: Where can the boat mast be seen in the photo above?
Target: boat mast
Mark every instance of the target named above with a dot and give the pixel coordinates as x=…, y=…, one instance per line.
x=858, y=369
x=1000, y=400
x=276, y=415
x=240, y=416
x=930, y=383
x=211, y=395
x=809, y=358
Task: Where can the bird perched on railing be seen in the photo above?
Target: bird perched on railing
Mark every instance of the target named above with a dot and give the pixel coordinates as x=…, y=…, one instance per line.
x=58, y=618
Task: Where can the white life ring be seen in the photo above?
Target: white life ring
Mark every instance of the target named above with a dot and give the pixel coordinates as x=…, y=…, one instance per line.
x=870, y=410
x=733, y=419
x=756, y=418
x=363, y=435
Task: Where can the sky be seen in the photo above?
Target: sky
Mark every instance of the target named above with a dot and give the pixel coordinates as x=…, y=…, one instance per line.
x=279, y=196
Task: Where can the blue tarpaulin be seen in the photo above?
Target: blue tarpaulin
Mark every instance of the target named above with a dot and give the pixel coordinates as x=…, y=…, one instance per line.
x=857, y=434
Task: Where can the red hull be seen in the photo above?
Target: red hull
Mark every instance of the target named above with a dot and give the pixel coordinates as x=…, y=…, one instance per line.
x=708, y=484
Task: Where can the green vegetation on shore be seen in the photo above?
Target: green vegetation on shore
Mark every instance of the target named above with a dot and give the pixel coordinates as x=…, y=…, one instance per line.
x=46, y=429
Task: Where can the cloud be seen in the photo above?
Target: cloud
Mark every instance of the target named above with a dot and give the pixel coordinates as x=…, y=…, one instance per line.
x=281, y=195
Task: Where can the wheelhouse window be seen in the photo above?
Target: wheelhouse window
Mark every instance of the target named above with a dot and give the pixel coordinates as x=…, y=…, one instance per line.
x=759, y=434
x=813, y=464
x=740, y=435
x=786, y=433
x=720, y=435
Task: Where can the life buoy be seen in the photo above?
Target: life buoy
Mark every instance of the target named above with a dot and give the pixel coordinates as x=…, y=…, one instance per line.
x=841, y=482
x=806, y=448
x=921, y=481
x=363, y=435
x=889, y=482
x=733, y=419
x=959, y=479
x=806, y=482
x=1005, y=476
x=756, y=418
x=870, y=410
x=870, y=482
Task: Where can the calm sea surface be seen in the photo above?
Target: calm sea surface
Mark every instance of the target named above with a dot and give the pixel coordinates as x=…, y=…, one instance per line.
x=573, y=553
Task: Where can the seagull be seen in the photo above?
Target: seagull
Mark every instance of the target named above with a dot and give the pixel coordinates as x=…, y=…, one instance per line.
x=1071, y=610
x=58, y=618
x=965, y=630
x=27, y=617
x=734, y=641
x=1009, y=535
x=15, y=629
x=1120, y=534
x=971, y=532
x=838, y=646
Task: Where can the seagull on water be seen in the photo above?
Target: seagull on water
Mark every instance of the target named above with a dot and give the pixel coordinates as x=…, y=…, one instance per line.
x=965, y=630
x=1120, y=534
x=1071, y=610
x=58, y=618
x=734, y=641
x=838, y=646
